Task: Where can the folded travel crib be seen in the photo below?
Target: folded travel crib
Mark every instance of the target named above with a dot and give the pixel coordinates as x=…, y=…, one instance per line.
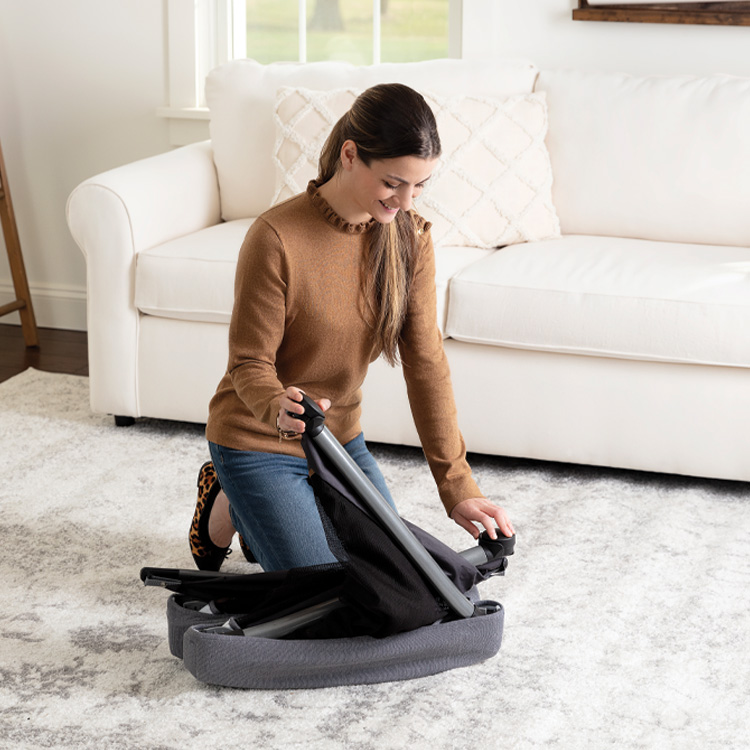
x=399, y=603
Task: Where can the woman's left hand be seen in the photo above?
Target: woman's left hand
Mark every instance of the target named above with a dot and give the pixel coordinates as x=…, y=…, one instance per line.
x=481, y=510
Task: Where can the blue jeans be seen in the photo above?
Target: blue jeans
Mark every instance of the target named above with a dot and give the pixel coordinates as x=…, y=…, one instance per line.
x=273, y=506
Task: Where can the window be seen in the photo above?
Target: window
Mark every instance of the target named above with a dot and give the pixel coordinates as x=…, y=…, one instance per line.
x=203, y=34
x=358, y=31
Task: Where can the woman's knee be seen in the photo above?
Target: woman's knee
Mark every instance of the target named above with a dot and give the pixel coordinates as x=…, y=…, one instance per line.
x=274, y=508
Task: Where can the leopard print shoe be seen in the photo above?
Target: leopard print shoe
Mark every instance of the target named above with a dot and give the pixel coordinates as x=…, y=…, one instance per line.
x=206, y=554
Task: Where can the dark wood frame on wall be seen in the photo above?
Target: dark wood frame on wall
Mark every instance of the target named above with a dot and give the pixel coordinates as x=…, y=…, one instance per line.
x=722, y=14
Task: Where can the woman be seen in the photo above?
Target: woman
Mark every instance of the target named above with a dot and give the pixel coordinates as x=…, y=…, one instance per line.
x=327, y=282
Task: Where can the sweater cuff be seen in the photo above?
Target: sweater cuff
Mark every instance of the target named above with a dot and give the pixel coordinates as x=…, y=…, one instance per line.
x=456, y=490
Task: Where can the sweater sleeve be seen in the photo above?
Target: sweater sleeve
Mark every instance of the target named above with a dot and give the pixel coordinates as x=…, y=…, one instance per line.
x=429, y=386
x=258, y=320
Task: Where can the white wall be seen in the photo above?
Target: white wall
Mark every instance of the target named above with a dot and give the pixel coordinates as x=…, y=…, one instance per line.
x=544, y=32
x=80, y=81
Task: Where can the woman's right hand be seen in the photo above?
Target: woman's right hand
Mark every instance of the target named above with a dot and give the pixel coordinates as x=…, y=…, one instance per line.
x=290, y=402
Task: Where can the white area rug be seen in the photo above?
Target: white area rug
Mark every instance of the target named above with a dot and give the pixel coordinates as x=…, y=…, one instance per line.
x=627, y=604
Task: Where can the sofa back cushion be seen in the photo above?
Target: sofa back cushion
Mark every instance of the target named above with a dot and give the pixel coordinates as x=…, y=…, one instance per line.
x=242, y=95
x=657, y=158
x=492, y=185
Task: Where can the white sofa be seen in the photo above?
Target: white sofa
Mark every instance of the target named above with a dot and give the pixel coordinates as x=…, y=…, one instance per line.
x=613, y=329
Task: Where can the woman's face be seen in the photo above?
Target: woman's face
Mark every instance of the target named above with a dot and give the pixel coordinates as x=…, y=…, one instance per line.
x=386, y=186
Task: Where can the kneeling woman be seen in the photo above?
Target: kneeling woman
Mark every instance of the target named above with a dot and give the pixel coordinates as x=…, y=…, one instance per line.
x=327, y=282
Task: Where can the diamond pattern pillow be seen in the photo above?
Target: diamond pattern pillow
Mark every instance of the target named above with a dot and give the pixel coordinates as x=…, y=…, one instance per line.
x=492, y=186
x=303, y=120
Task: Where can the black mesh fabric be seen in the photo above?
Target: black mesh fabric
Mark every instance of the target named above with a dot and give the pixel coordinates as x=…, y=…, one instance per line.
x=262, y=595
x=387, y=595
x=382, y=591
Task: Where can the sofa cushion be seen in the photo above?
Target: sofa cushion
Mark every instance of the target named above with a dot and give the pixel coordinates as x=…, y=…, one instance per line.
x=191, y=278
x=492, y=185
x=655, y=158
x=449, y=261
x=241, y=96
x=609, y=297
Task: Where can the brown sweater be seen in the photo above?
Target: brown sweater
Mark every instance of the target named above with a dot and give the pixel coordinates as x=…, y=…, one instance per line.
x=298, y=320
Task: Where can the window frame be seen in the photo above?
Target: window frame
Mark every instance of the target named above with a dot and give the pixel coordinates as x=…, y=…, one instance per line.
x=204, y=34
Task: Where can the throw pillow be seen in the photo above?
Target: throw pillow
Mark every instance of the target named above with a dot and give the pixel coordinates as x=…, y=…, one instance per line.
x=492, y=186
x=303, y=120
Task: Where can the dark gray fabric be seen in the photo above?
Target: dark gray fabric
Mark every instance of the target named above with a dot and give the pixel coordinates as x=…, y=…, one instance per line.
x=260, y=663
x=179, y=619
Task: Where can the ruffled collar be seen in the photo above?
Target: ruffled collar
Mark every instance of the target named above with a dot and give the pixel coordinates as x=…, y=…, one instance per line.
x=322, y=205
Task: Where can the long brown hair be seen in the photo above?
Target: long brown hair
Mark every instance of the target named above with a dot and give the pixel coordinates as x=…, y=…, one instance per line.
x=385, y=122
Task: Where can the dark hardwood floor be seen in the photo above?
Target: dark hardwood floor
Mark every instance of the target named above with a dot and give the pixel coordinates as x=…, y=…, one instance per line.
x=58, y=351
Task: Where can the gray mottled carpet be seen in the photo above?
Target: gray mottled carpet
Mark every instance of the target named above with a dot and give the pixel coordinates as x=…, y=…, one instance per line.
x=627, y=604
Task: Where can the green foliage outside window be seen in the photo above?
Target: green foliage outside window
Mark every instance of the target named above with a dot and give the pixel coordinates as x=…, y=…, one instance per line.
x=342, y=30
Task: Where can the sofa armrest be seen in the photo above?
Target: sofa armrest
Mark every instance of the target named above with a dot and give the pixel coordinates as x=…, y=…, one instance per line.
x=112, y=217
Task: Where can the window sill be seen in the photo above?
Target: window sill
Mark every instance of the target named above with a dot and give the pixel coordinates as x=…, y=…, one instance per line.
x=186, y=124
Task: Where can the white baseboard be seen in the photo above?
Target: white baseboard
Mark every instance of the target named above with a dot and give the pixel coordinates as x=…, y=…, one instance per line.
x=62, y=307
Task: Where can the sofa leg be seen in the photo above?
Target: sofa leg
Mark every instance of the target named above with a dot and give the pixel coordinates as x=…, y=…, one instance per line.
x=124, y=421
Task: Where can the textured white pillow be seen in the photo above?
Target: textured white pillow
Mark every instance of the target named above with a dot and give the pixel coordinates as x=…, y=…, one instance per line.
x=303, y=120
x=241, y=95
x=492, y=186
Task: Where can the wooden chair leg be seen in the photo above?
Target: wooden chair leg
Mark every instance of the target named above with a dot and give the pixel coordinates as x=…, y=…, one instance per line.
x=22, y=303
